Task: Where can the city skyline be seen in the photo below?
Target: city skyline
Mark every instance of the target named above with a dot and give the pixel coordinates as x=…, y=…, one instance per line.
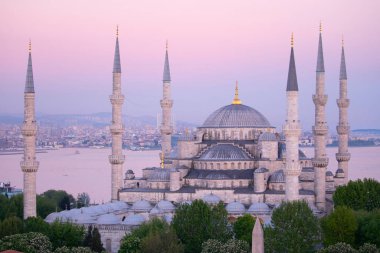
x=209, y=49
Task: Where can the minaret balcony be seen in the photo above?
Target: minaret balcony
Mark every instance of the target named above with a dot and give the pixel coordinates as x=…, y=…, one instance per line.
x=320, y=162
x=343, y=128
x=116, y=159
x=29, y=166
x=292, y=129
x=321, y=129
x=291, y=172
x=166, y=103
x=117, y=129
x=117, y=99
x=29, y=129
x=343, y=157
x=166, y=129
x=343, y=102
x=320, y=99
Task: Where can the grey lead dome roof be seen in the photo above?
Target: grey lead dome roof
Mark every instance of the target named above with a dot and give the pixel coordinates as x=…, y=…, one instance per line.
x=236, y=116
x=224, y=152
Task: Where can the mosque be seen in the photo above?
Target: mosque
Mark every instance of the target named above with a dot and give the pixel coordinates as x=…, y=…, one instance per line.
x=236, y=156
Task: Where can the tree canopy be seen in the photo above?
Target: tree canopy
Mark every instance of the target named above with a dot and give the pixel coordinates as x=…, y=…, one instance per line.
x=243, y=227
x=293, y=228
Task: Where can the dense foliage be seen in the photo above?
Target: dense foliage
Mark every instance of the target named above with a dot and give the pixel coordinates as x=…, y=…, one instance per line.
x=294, y=228
x=342, y=247
x=198, y=222
x=359, y=195
x=369, y=227
x=231, y=246
x=243, y=227
x=28, y=243
x=339, y=226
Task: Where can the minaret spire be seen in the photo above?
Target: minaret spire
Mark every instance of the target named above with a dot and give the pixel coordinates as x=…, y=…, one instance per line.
x=29, y=164
x=117, y=128
x=166, y=105
x=320, y=130
x=292, y=132
x=236, y=100
x=343, y=128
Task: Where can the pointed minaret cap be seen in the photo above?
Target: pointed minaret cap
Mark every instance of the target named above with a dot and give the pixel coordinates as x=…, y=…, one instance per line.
x=116, y=61
x=257, y=237
x=236, y=100
x=320, y=61
x=166, y=75
x=29, y=83
x=292, y=84
x=343, y=73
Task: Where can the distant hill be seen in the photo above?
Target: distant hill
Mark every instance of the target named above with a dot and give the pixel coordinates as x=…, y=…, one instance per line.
x=366, y=131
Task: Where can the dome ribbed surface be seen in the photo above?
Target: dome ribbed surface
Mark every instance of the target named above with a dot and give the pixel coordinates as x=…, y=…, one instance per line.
x=236, y=116
x=134, y=220
x=277, y=177
x=108, y=219
x=268, y=137
x=235, y=208
x=165, y=205
x=259, y=208
x=160, y=175
x=211, y=199
x=141, y=205
x=224, y=152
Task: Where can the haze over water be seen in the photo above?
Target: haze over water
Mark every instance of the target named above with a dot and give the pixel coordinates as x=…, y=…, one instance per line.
x=90, y=170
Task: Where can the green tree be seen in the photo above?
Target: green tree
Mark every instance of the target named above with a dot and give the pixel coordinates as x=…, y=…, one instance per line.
x=368, y=248
x=162, y=242
x=339, y=226
x=87, y=242
x=61, y=198
x=45, y=206
x=359, y=195
x=28, y=243
x=10, y=226
x=65, y=249
x=369, y=227
x=96, y=244
x=130, y=244
x=36, y=224
x=293, y=228
x=198, y=222
x=12, y=206
x=231, y=246
x=243, y=227
x=339, y=247
x=66, y=234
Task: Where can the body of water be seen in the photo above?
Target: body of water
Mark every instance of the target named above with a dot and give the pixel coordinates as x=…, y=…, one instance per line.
x=89, y=171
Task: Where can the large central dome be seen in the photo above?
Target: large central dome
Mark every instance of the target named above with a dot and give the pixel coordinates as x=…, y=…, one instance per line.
x=236, y=115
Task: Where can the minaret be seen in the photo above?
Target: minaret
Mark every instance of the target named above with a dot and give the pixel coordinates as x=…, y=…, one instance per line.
x=117, y=99
x=343, y=128
x=320, y=130
x=292, y=131
x=29, y=164
x=166, y=105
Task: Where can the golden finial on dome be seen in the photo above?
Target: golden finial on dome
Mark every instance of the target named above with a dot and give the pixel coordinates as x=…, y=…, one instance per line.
x=30, y=46
x=162, y=160
x=320, y=26
x=342, y=41
x=292, y=40
x=236, y=100
x=117, y=30
x=167, y=44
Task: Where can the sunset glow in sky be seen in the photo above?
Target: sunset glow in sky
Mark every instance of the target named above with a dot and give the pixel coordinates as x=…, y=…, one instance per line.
x=211, y=44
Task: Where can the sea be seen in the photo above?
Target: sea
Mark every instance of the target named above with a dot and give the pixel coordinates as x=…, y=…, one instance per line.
x=88, y=170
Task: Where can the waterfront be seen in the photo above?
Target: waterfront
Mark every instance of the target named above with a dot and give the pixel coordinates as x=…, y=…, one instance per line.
x=89, y=171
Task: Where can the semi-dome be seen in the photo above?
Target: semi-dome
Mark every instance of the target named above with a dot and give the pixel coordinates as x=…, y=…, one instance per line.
x=166, y=206
x=108, y=219
x=134, y=220
x=224, y=152
x=141, y=206
x=277, y=177
x=236, y=115
x=211, y=199
x=259, y=208
x=235, y=208
x=159, y=175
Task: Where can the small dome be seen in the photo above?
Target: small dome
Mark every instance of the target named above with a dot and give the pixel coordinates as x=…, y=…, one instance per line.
x=155, y=211
x=134, y=220
x=160, y=175
x=129, y=174
x=168, y=217
x=141, y=206
x=108, y=219
x=211, y=199
x=259, y=208
x=261, y=170
x=266, y=136
x=83, y=218
x=225, y=152
x=121, y=205
x=236, y=116
x=166, y=206
x=235, y=208
x=339, y=173
x=52, y=217
x=329, y=174
x=277, y=177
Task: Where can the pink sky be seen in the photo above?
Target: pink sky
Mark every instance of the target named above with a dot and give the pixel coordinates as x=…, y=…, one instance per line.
x=211, y=44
